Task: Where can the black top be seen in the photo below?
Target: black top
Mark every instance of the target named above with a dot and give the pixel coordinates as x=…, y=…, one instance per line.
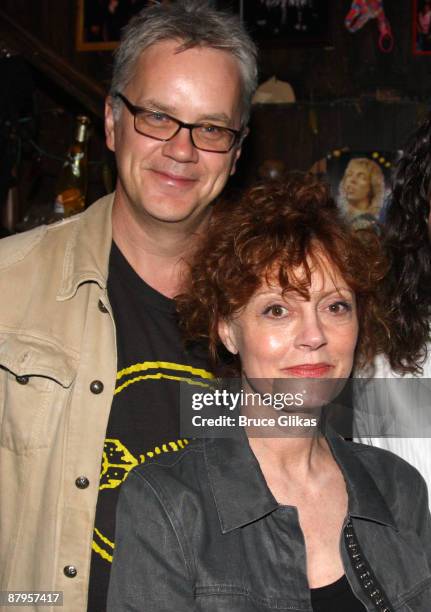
x=144, y=418
x=335, y=597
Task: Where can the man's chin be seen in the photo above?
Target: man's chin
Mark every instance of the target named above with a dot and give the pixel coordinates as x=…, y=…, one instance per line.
x=176, y=214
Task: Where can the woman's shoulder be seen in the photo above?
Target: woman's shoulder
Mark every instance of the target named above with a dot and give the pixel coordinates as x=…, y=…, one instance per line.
x=168, y=476
x=175, y=486
x=393, y=475
x=172, y=465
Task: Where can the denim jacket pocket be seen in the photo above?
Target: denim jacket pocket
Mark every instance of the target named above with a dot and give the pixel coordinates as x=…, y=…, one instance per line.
x=35, y=376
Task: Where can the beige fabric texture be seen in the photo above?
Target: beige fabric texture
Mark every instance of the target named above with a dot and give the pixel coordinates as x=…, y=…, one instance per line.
x=53, y=427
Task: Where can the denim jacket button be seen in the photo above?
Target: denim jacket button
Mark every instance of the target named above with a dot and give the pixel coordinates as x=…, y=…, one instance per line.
x=22, y=380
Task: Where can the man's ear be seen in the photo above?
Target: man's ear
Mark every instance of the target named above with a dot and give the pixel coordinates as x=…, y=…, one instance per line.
x=238, y=150
x=227, y=335
x=109, y=124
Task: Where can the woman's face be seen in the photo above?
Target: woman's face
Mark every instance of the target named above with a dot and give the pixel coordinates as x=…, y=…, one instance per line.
x=357, y=183
x=289, y=336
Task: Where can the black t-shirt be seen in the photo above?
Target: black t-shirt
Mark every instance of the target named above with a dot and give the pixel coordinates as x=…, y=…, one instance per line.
x=335, y=597
x=144, y=418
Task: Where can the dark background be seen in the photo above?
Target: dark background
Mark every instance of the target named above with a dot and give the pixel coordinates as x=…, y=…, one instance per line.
x=349, y=93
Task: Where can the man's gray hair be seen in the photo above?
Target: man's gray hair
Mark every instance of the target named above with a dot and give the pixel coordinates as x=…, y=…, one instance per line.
x=193, y=23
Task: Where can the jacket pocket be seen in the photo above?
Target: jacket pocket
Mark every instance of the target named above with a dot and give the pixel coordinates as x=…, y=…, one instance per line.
x=35, y=381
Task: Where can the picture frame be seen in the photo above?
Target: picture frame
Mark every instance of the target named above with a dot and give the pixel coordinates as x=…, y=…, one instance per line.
x=284, y=22
x=99, y=22
x=421, y=27
x=360, y=183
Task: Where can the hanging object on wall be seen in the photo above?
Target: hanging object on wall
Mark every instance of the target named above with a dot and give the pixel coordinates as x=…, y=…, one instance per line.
x=362, y=11
x=300, y=5
x=274, y=91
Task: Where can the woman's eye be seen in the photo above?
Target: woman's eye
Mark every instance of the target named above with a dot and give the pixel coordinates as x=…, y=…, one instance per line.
x=276, y=311
x=340, y=307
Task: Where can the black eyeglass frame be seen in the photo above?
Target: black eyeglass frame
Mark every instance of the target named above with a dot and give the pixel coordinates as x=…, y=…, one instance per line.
x=134, y=110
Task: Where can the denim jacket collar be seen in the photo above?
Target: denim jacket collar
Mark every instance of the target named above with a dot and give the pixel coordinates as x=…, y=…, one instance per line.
x=87, y=251
x=242, y=496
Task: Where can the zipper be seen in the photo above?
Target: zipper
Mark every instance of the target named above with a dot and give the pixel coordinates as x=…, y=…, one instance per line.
x=371, y=587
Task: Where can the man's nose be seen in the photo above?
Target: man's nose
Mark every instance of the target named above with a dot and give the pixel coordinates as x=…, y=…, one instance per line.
x=181, y=147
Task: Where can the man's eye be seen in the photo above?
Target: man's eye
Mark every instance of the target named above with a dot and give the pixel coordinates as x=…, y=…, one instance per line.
x=211, y=131
x=211, y=128
x=276, y=311
x=155, y=118
x=159, y=117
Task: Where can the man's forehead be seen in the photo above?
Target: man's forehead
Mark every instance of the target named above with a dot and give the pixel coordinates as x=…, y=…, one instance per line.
x=168, y=77
x=179, y=51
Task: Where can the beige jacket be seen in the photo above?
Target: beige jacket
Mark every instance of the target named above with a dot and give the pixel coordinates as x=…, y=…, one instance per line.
x=57, y=337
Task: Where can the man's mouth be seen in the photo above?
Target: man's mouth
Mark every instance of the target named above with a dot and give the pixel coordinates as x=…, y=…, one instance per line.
x=174, y=180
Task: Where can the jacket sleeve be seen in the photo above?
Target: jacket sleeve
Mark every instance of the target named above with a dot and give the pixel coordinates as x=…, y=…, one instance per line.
x=421, y=517
x=150, y=572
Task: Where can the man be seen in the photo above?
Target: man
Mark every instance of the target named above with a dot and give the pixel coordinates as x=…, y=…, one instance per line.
x=87, y=312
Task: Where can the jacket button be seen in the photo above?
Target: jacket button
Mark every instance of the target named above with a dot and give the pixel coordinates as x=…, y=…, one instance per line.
x=82, y=482
x=102, y=306
x=22, y=380
x=96, y=387
x=70, y=571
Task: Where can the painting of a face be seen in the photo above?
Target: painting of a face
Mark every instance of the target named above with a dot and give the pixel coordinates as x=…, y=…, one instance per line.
x=359, y=183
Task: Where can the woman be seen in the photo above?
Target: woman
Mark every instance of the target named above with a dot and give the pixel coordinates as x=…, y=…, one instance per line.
x=293, y=522
x=398, y=400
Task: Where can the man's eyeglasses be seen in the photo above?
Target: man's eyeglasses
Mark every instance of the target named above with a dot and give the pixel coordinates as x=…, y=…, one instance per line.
x=160, y=126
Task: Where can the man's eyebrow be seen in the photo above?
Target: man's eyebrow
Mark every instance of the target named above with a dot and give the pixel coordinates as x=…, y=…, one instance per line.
x=214, y=117
x=152, y=104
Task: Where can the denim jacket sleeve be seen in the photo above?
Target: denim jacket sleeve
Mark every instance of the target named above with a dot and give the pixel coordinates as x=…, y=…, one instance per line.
x=422, y=517
x=150, y=571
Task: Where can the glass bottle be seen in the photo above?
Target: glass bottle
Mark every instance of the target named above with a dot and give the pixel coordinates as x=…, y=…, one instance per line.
x=72, y=183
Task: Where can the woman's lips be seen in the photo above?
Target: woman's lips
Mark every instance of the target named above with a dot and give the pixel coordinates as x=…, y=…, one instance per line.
x=308, y=370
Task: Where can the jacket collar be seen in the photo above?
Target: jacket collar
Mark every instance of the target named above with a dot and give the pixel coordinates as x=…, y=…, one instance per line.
x=242, y=496
x=87, y=249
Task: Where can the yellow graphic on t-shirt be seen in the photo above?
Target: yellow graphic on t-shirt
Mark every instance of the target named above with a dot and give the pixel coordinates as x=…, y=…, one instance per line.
x=165, y=365
x=102, y=544
x=117, y=460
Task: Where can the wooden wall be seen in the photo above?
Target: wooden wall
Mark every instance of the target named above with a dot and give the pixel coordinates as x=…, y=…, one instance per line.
x=338, y=85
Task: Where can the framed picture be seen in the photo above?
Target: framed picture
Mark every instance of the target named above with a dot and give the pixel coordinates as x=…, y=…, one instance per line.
x=99, y=22
x=421, y=22
x=360, y=183
x=284, y=22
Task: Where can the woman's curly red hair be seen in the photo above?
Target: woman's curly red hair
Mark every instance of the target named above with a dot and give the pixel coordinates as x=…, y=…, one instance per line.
x=273, y=231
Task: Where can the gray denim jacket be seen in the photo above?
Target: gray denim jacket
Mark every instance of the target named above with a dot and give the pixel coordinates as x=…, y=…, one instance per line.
x=200, y=530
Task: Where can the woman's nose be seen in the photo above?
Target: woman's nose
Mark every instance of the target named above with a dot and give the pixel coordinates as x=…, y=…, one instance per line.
x=310, y=333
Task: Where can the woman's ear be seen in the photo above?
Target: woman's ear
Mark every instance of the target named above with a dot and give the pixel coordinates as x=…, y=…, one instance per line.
x=227, y=335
